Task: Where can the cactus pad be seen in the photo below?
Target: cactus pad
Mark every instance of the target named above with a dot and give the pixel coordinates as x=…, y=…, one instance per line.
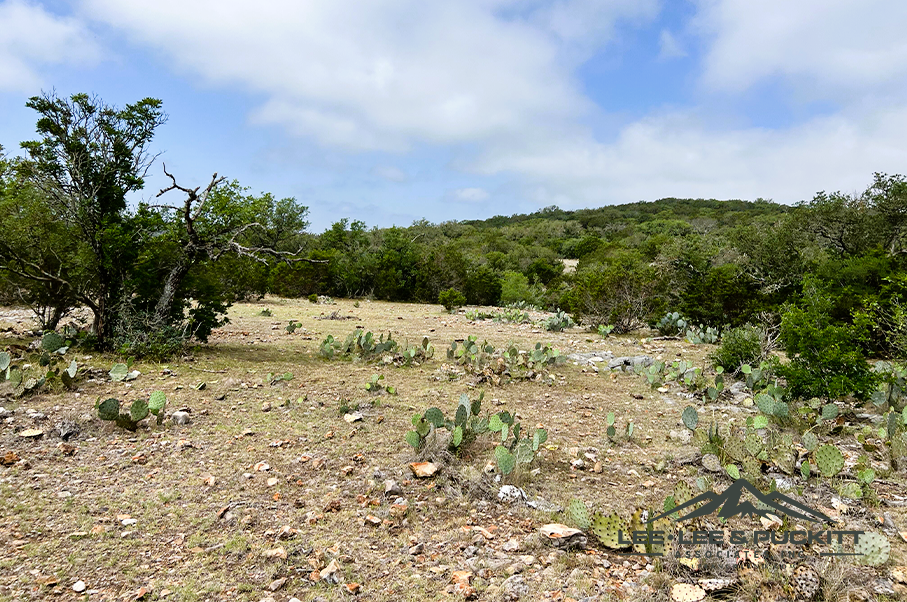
x=752, y=467
x=754, y=444
x=607, y=529
x=810, y=441
x=829, y=460
x=873, y=549
x=684, y=592
x=711, y=463
x=109, y=409
x=690, y=417
x=805, y=581
x=578, y=513
x=735, y=448
x=683, y=493
x=638, y=523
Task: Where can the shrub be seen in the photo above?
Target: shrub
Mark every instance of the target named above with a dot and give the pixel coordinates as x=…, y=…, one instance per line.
x=515, y=289
x=826, y=359
x=313, y=298
x=483, y=287
x=623, y=297
x=739, y=346
x=451, y=299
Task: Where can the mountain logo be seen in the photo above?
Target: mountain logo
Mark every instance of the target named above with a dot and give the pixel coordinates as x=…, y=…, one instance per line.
x=730, y=505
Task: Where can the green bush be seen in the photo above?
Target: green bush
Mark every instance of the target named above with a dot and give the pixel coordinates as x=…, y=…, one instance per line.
x=826, y=359
x=483, y=287
x=313, y=298
x=739, y=346
x=515, y=289
x=451, y=299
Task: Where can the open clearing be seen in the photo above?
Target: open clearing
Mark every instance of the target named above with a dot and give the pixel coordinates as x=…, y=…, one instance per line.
x=187, y=513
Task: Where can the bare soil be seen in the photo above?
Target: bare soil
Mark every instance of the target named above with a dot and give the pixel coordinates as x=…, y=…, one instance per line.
x=211, y=523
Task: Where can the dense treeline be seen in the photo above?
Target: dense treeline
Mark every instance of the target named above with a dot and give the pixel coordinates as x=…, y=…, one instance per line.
x=68, y=238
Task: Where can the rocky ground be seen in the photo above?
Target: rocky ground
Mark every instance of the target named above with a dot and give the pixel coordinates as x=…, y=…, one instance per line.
x=255, y=488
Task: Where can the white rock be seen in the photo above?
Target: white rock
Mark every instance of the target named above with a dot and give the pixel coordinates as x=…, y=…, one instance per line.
x=180, y=418
x=78, y=586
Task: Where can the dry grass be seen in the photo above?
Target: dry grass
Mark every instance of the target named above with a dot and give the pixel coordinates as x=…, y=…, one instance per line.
x=60, y=513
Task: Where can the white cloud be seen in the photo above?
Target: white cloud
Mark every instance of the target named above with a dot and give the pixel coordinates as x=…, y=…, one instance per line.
x=470, y=195
x=31, y=38
x=493, y=81
x=679, y=155
x=669, y=47
x=819, y=46
x=384, y=74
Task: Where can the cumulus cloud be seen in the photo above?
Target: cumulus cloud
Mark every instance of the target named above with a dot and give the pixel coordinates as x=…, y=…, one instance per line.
x=384, y=74
x=31, y=38
x=470, y=195
x=818, y=46
x=494, y=82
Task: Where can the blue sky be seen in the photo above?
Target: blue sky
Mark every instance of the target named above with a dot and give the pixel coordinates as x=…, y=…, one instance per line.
x=390, y=111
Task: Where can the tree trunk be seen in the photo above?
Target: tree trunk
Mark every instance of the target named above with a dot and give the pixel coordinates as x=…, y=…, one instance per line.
x=164, y=305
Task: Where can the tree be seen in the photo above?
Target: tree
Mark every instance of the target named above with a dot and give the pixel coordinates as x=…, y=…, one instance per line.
x=147, y=273
x=90, y=157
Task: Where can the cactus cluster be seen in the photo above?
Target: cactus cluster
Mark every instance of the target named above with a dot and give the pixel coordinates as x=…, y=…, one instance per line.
x=516, y=447
x=415, y=355
x=558, y=322
x=110, y=409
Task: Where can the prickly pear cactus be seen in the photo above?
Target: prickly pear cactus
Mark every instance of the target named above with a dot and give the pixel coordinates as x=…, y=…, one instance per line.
x=690, y=417
x=784, y=459
x=754, y=444
x=51, y=341
x=109, y=409
x=638, y=523
x=683, y=493
x=810, y=441
x=735, y=448
x=872, y=549
x=711, y=463
x=752, y=468
x=829, y=460
x=578, y=513
x=806, y=581
x=607, y=529
x=666, y=526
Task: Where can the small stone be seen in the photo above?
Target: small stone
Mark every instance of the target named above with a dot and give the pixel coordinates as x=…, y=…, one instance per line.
x=180, y=418
x=352, y=417
x=78, y=586
x=352, y=588
x=278, y=552
x=331, y=573
x=372, y=521
x=128, y=522
x=262, y=467
x=512, y=545
x=273, y=481
x=31, y=433
x=277, y=584
x=423, y=470
x=266, y=406
x=392, y=489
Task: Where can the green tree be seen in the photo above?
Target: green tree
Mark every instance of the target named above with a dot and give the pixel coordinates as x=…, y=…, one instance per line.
x=89, y=158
